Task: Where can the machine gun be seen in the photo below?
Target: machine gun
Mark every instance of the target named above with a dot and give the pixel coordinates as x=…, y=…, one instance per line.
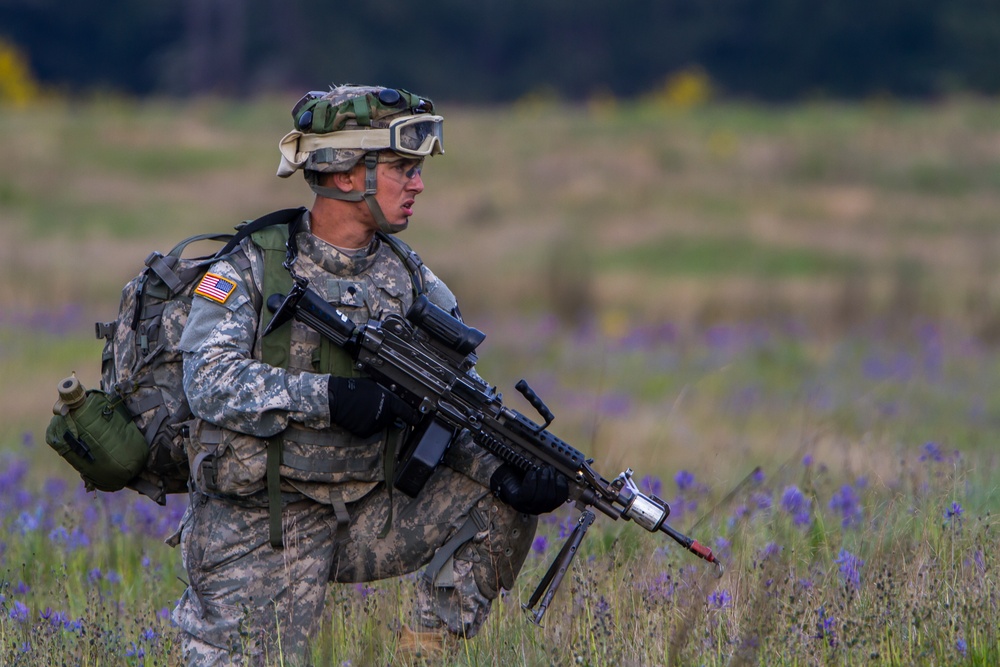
x=427, y=359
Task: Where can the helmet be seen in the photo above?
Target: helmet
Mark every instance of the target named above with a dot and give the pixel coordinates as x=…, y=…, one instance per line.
x=337, y=129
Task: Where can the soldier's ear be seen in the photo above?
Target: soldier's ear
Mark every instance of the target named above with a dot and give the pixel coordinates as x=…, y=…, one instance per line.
x=346, y=181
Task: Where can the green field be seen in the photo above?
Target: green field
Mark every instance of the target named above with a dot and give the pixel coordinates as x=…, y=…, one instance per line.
x=809, y=290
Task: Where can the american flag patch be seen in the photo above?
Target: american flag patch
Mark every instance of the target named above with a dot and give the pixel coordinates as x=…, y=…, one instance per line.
x=215, y=287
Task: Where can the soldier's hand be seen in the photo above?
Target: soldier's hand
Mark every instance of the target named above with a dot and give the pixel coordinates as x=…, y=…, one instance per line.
x=363, y=408
x=537, y=491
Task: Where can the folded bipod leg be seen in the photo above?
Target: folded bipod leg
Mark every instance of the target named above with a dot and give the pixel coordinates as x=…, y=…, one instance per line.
x=549, y=584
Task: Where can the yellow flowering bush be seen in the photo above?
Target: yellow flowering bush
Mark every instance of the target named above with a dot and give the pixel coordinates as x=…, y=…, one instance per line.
x=17, y=85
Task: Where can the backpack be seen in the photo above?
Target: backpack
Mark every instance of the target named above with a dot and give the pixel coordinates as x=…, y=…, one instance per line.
x=131, y=432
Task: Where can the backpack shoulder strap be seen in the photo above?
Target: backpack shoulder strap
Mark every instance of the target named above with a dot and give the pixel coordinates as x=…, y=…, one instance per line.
x=273, y=242
x=409, y=258
x=283, y=217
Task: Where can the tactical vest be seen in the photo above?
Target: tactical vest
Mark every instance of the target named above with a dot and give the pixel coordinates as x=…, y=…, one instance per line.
x=328, y=465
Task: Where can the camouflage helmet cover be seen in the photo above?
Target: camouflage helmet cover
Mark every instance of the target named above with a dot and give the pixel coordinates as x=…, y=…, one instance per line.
x=347, y=107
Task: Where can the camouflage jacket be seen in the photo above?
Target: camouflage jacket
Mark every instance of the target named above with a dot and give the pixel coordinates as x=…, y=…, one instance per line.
x=241, y=401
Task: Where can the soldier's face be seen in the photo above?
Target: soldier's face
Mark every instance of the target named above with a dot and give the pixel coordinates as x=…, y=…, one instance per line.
x=399, y=183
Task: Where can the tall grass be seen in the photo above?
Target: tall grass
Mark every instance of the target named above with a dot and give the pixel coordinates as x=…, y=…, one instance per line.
x=783, y=319
x=853, y=540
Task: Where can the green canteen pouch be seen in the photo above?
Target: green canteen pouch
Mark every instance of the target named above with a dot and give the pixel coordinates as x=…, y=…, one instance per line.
x=101, y=441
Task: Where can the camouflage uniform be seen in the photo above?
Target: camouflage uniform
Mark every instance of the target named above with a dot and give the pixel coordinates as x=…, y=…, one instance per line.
x=340, y=521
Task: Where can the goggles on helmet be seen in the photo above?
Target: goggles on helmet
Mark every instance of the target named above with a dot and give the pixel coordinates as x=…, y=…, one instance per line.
x=419, y=136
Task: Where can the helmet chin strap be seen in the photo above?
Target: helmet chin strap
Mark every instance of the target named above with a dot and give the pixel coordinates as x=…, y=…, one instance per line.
x=368, y=196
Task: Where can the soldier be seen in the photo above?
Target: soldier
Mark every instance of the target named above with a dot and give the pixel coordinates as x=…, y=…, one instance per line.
x=292, y=451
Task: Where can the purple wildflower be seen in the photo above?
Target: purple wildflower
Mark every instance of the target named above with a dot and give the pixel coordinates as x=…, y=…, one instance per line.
x=979, y=558
x=117, y=519
x=722, y=547
x=28, y=522
x=850, y=568
x=59, y=535
x=794, y=502
x=540, y=544
x=135, y=651
x=19, y=612
x=739, y=512
x=757, y=475
x=567, y=526
x=807, y=460
x=829, y=623
x=684, y=480
x=761, y=500
x=95, y=575
x=77, y=540
x=845, y=503
x=954, y=513
x=720, y=599
x=12, y=476
x=661, y=587
x=54, y=487
x=826, y=627
x=961, y=647
x=57, y=618
x=770, y=549
x=932, y=453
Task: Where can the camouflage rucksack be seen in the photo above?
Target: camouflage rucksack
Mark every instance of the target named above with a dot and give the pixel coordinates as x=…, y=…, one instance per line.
x=141, y=373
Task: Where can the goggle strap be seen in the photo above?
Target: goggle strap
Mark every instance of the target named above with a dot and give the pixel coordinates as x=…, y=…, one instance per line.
x=377, y=139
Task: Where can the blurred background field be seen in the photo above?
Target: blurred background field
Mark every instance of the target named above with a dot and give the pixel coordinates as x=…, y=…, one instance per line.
x=703, y=289
x=671, y=256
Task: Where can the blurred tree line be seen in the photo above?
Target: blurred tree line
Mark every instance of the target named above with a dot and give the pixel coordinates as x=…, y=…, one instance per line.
x=500, y=50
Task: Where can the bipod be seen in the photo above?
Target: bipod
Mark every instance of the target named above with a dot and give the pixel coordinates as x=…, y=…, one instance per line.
x=547, y=587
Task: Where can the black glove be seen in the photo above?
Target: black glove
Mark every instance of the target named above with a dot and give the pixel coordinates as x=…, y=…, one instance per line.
x=537, y=491
x=363, y=408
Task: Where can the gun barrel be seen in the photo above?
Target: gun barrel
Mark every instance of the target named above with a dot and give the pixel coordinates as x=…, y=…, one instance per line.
x=693, y=546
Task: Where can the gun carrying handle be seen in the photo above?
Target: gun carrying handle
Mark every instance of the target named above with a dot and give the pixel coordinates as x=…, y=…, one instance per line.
x=536, y=403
